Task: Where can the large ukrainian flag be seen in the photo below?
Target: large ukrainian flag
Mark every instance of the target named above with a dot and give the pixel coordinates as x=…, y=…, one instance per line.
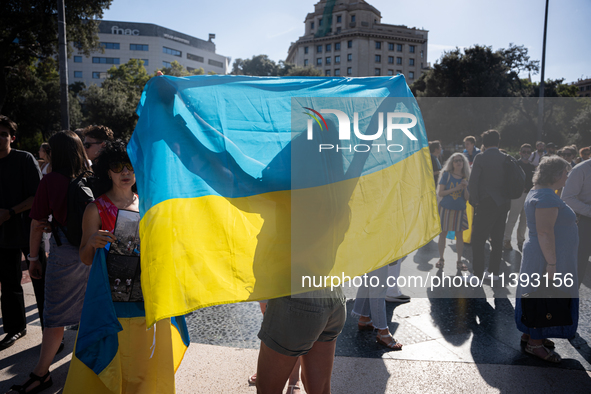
x=248, y=184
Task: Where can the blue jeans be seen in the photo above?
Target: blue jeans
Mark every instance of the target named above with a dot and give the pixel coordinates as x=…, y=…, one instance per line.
x=371, y=301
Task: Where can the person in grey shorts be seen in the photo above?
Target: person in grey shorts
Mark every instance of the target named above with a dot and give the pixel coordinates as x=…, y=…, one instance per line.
x=298, y=326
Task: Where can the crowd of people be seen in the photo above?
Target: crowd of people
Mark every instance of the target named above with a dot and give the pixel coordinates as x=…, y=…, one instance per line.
x=555, y=207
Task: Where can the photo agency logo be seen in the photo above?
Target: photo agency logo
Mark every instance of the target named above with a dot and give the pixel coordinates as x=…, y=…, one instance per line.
x=344, y=125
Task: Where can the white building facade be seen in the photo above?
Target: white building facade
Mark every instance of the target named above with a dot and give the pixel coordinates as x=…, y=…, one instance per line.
x=157, y=46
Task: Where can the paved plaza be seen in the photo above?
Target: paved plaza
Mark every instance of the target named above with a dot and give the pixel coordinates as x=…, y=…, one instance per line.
x=454, y=345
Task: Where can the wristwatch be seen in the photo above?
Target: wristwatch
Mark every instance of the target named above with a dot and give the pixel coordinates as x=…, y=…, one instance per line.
x=11, y=212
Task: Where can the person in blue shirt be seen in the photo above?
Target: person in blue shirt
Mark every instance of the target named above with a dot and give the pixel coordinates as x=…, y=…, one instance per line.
x=453, y=190
x=471, y=150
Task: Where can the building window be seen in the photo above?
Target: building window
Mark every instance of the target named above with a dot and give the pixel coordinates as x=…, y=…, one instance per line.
x=390, y=72
x=311, y=25
x=350, y=44
x=337, y=46
x=319, y=22
x=349, y=70
x=338, y=30
x=378, y=45
x=327, y=73
x=378, y=58
x=328, y=60
x=172, y=52
x=398, y=60
x=77, y=59
x=411, y=62
x=305, y=50
x=96, y=75
x=166, y=64
x=378, y=72
x=305, y=62
x=77, y=74
x=352, y=18
x=421, y=64
x=411, y=48
x=390, y=46
x=399, y=47
x=339, y=19
x=411, y=75
x=319, y=61
x=337, y=60
x=199, y=59
x=328, y=47
x=319, y=49
x=337, y=72
x=398, y=72
x=390, y=59
x=422, y=54
x=350, y=57
x=215, y=63
x=105, y=60
x=138, y=47
x=110, y=45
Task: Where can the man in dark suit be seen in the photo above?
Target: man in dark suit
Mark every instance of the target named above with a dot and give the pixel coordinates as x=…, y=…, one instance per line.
x=490, y=206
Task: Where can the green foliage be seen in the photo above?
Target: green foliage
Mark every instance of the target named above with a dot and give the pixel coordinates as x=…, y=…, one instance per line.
x=307, y=71
x=476, y=72
x=29, y=31
x=178, y=70
x=261, y=65
x=35, y=103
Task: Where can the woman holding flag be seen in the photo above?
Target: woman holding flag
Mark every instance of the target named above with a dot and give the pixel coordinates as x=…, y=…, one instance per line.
x=115, y=352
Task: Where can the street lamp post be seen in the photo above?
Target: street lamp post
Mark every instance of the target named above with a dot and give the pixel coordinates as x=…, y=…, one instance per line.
x=541, y=101
x=63, y=61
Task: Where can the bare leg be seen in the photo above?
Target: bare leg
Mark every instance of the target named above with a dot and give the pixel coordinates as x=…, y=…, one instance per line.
x=441, y=243
x=294, y=378
x=52, y=338
x=317, y=367
x=460, y=245
x=273, y=370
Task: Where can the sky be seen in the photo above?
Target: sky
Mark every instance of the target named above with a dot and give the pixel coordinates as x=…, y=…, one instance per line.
x=245, y=28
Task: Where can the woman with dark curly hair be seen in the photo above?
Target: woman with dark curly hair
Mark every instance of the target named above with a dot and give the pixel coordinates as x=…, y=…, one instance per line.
x=147, y=362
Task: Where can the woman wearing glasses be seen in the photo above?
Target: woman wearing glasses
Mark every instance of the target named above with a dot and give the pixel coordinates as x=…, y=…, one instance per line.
x=148, y=354
x=453, y=190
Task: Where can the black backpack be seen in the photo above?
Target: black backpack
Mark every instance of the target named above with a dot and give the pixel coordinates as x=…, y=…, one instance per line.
x=80, y=194
x=514, y=178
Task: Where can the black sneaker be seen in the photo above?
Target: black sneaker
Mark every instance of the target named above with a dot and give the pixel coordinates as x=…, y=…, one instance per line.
x=10, y=339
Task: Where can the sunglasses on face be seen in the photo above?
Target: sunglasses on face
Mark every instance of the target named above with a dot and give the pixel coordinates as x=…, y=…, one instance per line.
x=87, y=145
x=458, y=161
x=527, y=152
x=118, y=167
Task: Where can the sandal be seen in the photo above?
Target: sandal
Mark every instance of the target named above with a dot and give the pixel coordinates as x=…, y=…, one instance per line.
x=365, y=326
x=461, y=266
x=551, y=357
x=546, y=342
x=440, y=264
x=34, y=378
x=394, y=344
x=252, y=380
x=292, y=388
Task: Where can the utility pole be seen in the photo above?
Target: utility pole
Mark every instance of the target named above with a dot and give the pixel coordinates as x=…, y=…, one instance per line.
x=63, y=57
x=541, y=100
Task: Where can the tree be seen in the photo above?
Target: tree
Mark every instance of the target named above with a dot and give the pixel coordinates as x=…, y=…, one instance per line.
x=477, y=72
x=29, y=31
x=178, y=70
x=113, y=104
x=259, y=65
x=35, y=103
